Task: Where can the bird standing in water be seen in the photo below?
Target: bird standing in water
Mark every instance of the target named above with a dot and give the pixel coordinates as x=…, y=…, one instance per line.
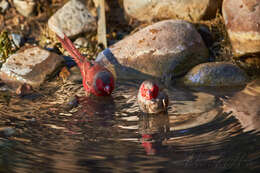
x=97, y=79
x=151, y=99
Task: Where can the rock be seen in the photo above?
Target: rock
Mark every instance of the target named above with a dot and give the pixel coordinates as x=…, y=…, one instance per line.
x=30, y=66
x=72, y=19
x=17, y=39
x=162, y=50
x=3, y=6
x=24, y=89
x=216, y=74
x=242, y=20
x=244, y=105
x=81, y=42
x=147, y=10
x=25, y=7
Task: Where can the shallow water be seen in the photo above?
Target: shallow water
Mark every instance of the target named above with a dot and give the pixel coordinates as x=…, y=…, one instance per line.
x=112, y=135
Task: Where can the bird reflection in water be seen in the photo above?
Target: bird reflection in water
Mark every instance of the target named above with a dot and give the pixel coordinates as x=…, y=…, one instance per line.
x=154, y=131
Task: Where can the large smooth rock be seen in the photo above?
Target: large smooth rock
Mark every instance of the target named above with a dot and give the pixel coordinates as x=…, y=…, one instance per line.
x=25, y=7
x=216, y=74
x=29, y=67
x=244, y=105
x=147, y=10
x=72, y=19
x=166, y=48
x=242, y=20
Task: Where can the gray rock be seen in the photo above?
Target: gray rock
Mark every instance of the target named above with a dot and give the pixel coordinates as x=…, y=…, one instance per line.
x=17, y=39
x=72, y=19
x=244, y=105
x=147, y=10
x=216, y=74
x=25, y=7
x=162, y=50
x=242, y=20
x=30, y=66
x=3, y=6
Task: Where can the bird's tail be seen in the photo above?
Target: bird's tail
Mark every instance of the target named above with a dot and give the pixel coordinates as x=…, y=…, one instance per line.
x=68, y=45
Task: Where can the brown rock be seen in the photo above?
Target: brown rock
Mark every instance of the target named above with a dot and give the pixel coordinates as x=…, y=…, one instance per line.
x=147, y=10
x=72, y=19
x=242, y=20
x=30, y=66
x=166, y=48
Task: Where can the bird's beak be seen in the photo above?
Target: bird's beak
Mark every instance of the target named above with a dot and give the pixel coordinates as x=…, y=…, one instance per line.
x=107, y=89
x=149, y=94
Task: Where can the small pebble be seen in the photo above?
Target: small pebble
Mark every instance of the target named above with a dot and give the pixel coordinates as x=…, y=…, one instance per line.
x=3, y=6
x=17, y=39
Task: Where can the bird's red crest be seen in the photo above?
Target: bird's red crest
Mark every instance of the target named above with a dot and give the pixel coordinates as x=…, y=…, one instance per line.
x=149, y=94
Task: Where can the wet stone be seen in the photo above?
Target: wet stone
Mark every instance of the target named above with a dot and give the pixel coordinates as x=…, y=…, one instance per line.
x=72, y=19
x=30, y=66
x=216, y=74
x=25, y=7
x=147, y=10
x=244, y=34
x=163, y=50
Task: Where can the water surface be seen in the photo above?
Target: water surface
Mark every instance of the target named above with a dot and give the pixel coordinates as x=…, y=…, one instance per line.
x=112, y=135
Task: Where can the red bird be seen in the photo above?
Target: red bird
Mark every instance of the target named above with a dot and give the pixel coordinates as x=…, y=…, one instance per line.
x=150, y=99
x=97, y=79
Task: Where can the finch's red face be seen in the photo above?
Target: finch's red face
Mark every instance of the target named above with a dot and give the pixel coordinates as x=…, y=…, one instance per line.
x=149, y=90
x=104, y=83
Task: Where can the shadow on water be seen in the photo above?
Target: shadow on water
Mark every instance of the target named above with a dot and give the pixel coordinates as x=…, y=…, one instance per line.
x=112, y=135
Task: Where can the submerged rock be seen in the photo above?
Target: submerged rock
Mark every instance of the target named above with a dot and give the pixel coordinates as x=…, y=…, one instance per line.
x=242, y=20
x=72, y=19
x=162, y=50
x=25, y=7
x=216, y=74
x=147, y=10
x=244, y=105
x=6, y=131
x=30, y=66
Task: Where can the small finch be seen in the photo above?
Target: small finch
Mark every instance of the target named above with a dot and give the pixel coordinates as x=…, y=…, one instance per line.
x=151, y=99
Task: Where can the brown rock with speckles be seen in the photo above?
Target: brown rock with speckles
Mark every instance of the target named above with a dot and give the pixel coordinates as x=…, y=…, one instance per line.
x=167, y=48
x=72, y=19
x=29, y=67
x=147, y=10
x=242, y=20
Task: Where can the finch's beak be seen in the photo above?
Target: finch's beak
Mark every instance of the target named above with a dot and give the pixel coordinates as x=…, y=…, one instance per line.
x=149, y=94
x=107, y=89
